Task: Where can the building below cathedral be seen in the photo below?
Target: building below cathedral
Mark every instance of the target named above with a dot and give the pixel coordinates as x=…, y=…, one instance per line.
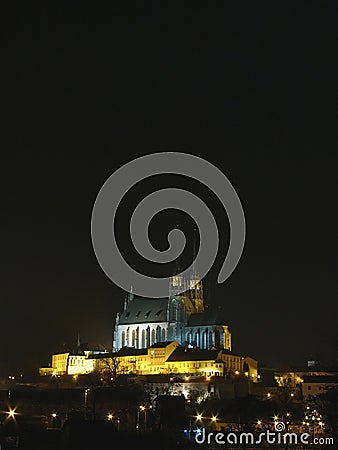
x=180, y=317
x=162, y=358
x=174, y=335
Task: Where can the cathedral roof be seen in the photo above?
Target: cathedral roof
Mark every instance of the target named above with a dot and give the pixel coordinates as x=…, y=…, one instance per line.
x=145, y=310
x=208, y=317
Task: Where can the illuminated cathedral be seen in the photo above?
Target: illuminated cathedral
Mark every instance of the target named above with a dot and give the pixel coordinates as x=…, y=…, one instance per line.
x=180, y=317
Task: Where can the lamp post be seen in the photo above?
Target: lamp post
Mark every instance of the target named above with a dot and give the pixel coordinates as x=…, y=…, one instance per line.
x=86, y=401
x=10, y=378
x=138, y=420
x=144, y=409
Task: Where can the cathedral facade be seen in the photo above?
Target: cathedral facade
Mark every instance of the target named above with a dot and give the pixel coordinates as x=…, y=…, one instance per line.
x=180, y=317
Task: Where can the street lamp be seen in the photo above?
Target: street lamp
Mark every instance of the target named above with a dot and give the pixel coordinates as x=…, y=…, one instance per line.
x=11, y=414
x=144, y=409
x=213, y=422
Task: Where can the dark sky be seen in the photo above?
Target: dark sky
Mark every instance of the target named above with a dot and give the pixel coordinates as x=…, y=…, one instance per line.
x=88, y=88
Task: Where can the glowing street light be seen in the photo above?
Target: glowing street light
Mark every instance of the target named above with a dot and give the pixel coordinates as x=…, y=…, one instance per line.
x=11, y=414
x=144, y=409
x=110, y=416
x=214, y=419
x=199, y=417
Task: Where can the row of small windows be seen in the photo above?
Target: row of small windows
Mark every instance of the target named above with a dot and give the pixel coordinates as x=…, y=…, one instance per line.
x=76, y=362
x=202, y=364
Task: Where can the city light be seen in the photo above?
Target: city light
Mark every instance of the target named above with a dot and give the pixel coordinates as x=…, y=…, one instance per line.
x=54, y=415
x=259, y=422
x=268, y=395
x=213, y=418
x=199, y=417
x=110, y=416
x=11, y=413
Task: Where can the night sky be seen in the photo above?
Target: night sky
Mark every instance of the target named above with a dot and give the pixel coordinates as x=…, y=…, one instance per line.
x=86, y=89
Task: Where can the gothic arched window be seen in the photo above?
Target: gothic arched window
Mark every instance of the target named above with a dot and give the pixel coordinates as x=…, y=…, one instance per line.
x=211, y=340
x=217, y=338
x=137, y=338
x=204, y=340
x=148, y=337
x=123, y=340
x=197, y=338
x=158, y=333
x=143, y=339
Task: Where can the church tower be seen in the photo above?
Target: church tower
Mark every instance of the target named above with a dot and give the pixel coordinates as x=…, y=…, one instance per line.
x=189, y=290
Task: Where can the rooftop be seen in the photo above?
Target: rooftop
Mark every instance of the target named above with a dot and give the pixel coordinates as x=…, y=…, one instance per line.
x=192, y=354
x=321, y=379
x=144, y=310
